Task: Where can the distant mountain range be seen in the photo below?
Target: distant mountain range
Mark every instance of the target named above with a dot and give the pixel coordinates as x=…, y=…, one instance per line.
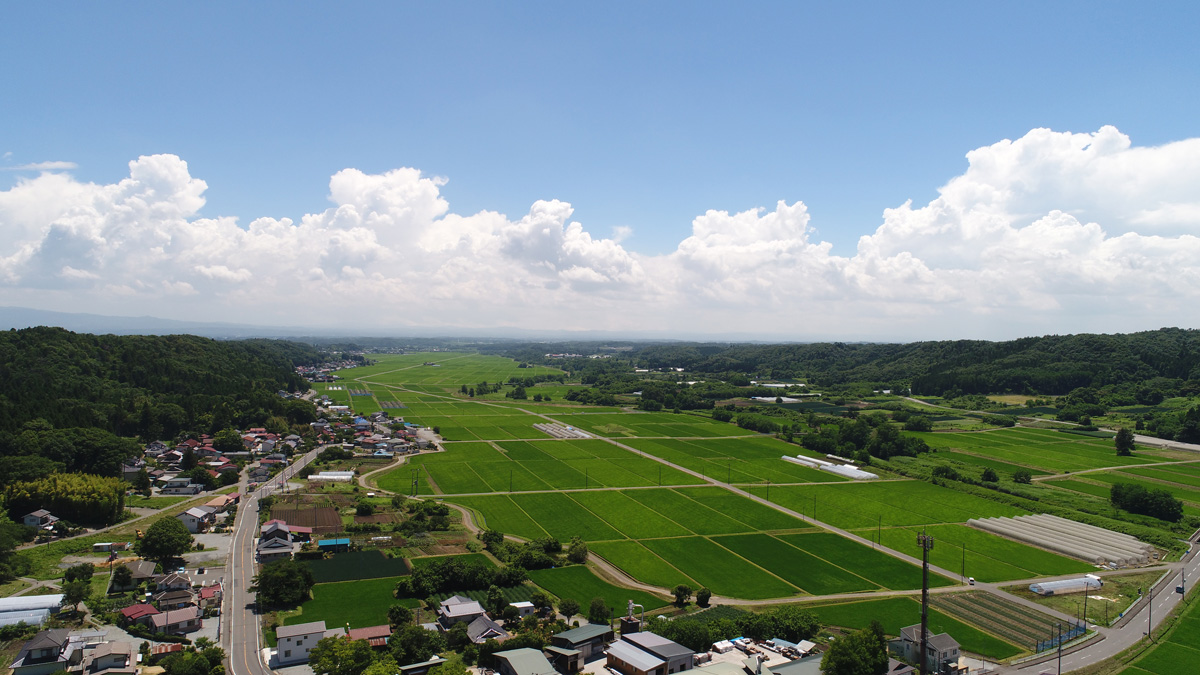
x=24, y=317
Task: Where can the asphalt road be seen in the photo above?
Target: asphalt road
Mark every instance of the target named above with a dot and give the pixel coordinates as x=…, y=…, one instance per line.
x=242, y=637
x=1116, y=640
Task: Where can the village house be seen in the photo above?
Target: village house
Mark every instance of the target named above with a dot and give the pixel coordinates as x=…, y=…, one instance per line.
x=40, y=519
x=168, y=600
x=589, y=640
x=482, y=629
x=210, y=597
x=456, y=609
x=111, y=658
x=173, y=581
x=177, y=621
x=140, y=570
x=47, y=652
x=139, y=614
x=942, y=651
x=376, y=636
x=295, y=642
x=198, y=518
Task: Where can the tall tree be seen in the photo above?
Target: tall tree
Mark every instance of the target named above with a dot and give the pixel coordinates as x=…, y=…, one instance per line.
x=1124, y=442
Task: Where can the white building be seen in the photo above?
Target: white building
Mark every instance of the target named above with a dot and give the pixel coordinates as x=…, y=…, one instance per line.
x=295, y=642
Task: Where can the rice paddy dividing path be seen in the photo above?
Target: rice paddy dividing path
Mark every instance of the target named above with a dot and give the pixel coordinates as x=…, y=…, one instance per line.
x=731, y=488
x=1070, y=474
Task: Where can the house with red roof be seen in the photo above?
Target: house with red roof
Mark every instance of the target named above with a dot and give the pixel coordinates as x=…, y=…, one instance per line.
x=139, y=613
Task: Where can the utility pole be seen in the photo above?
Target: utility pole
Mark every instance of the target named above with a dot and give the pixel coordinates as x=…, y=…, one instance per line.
x=768, y=489
x=660, y=475
x=510, y=480
x=1059, y=648
x=963, y=572
x=1086, y=586
x=926, y=543
x=585, y=479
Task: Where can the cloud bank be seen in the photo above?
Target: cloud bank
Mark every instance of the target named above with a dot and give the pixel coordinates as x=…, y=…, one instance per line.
x=1050, y=233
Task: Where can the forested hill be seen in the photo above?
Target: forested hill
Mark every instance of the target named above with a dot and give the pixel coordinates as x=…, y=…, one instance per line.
x=1054, y=364
x=152, y=386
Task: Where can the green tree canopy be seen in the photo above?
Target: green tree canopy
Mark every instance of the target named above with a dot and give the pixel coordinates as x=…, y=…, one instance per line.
x=863, y=652
x=167, y=539
x=283, y=583
x=340, y=656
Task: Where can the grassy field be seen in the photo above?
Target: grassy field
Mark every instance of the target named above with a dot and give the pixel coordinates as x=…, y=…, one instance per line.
x=360, y=603
x=896, y=613
x=581, y=584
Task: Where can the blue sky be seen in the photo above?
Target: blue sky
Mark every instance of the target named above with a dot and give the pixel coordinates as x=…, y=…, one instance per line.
x=642, y=116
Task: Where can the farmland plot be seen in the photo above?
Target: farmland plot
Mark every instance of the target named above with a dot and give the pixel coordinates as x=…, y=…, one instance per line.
x=896, y=613
x=806, y=571
x=721, y=571
x=641, y=564
x=581, y=584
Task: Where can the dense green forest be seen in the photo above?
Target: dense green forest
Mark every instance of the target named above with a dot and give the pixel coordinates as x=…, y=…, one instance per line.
x=78, y=402
x=1055, y=364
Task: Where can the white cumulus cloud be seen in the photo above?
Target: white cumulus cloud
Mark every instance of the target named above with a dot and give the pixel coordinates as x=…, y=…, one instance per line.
x=1051, y=232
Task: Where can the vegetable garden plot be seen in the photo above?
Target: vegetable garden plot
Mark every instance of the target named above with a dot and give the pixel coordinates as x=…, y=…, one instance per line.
x=357, y=565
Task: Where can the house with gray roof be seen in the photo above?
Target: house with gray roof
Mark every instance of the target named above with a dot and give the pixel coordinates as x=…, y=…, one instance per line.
x=648, y=654
x=456, y=609
x=111, y=658
x=942, y=651
x=483, y=629
x=49, y=651
x=524, y=661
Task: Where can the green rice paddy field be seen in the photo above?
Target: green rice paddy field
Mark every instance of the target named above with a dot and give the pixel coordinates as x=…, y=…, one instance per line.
x=1041, y=449
x=702, y=536
x=664, y=526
